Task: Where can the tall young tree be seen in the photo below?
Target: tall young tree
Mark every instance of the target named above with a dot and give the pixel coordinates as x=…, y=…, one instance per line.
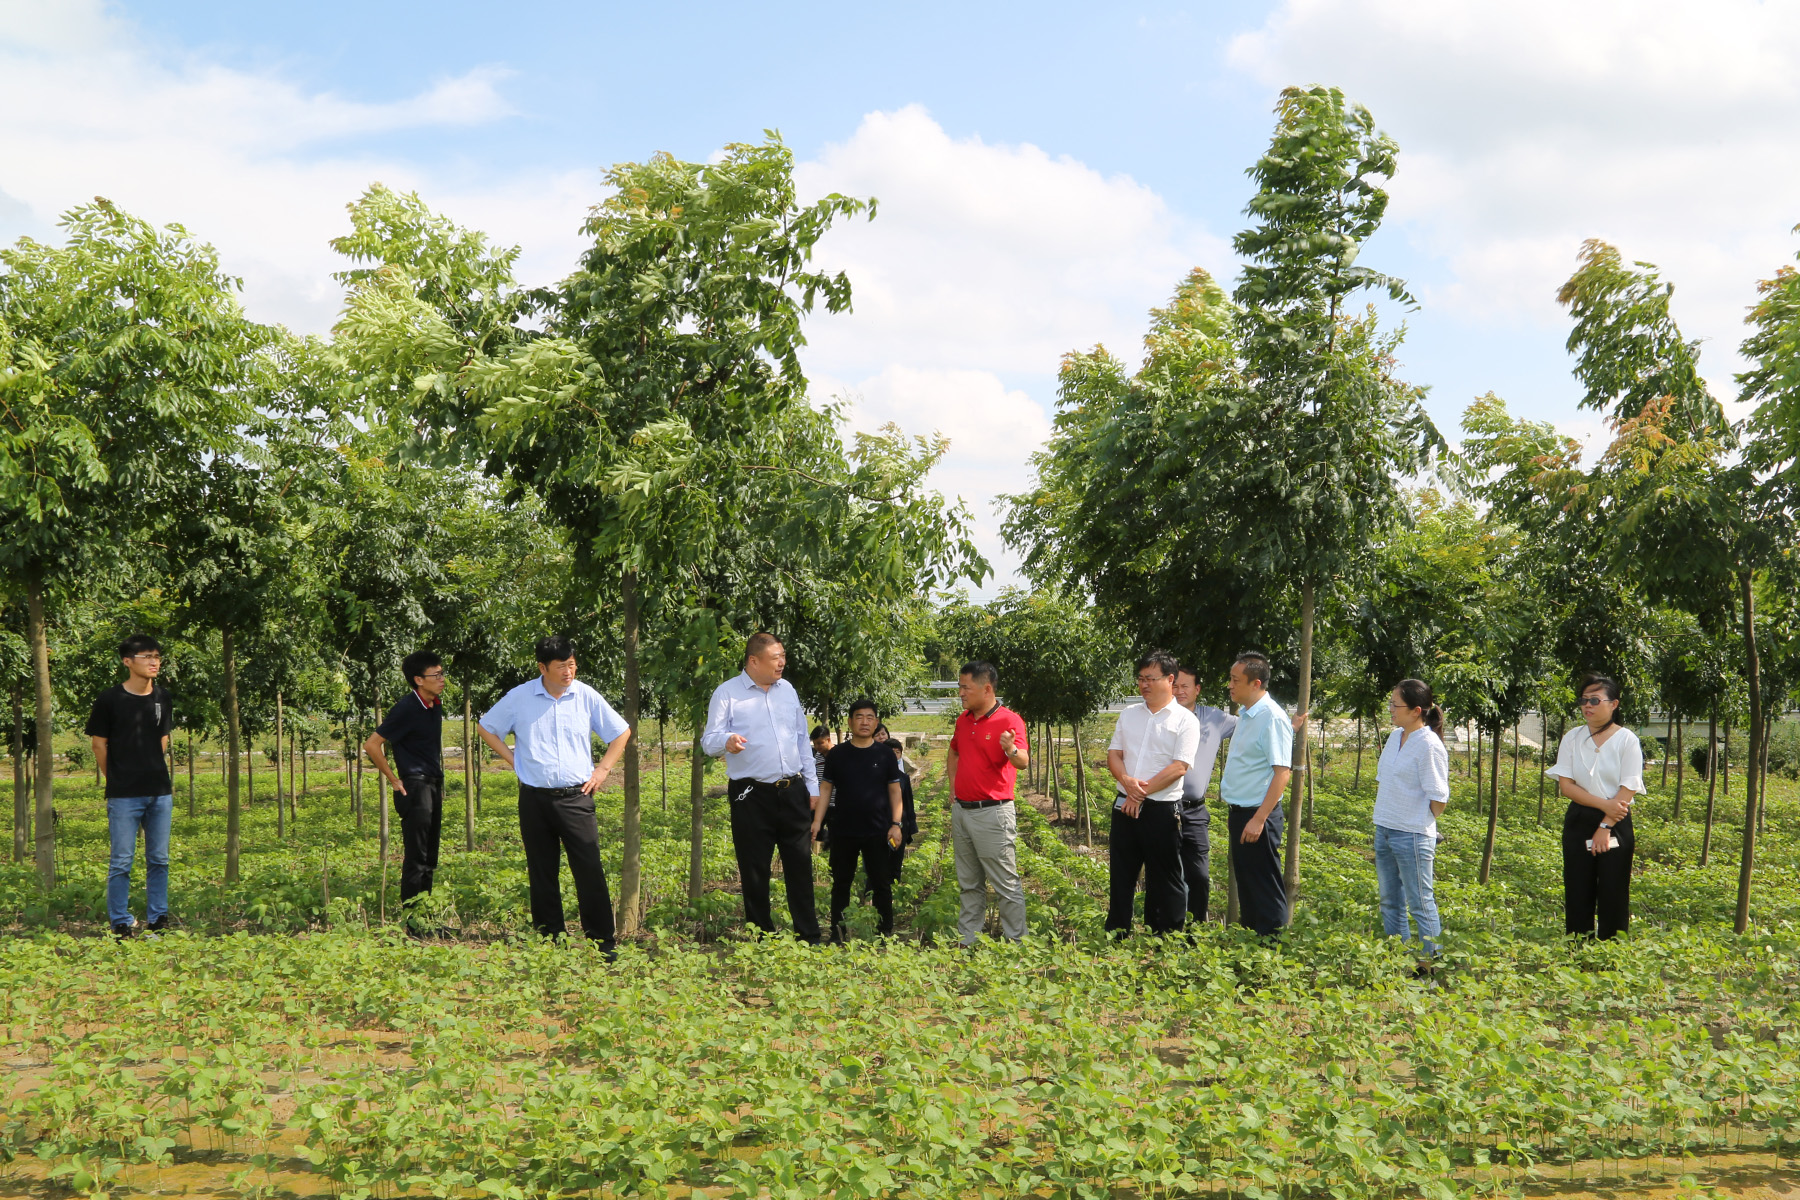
x=123, y=355
x=1322, y=431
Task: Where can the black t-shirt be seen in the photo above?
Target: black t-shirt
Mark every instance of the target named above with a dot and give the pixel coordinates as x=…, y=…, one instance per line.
x=134, y=727
x=859, y=789
x=416, y=733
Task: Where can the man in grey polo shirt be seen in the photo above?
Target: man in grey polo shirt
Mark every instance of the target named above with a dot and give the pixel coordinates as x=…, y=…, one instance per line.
x=1196, y=822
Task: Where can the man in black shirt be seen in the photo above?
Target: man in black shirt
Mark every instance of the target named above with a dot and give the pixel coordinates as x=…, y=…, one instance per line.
x=862, y=776
x=129, y=727
x=415, y=727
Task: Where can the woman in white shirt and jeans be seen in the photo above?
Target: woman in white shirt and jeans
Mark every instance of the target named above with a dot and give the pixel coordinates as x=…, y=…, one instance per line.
x=1600, y=768
x=1412, y=788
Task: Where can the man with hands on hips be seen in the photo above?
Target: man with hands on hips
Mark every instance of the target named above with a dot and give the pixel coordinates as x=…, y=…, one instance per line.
x=552, y=719
x=754, y=720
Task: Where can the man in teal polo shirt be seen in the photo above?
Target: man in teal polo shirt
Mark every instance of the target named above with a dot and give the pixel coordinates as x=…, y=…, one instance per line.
x=1257, y=768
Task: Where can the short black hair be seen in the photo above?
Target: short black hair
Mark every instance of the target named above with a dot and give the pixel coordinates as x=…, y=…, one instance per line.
x=1162, y=660
x=861, y=703
x=1184, y=669
x=555, y=648
x=138, y=643
x=1256, y=666
x=758, y=643
x=981, y=671
x=820, y=731
x=417, y=663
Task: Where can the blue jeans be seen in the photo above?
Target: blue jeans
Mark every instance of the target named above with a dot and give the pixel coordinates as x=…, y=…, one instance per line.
x=124, y=816
x=1403, y=863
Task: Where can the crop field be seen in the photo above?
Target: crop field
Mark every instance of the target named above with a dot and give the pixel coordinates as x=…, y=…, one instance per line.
x=283, y=1044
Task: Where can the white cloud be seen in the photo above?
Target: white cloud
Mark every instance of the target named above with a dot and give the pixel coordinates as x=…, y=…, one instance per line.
x=984, y=266
x=1526, y=126
x=244, y=161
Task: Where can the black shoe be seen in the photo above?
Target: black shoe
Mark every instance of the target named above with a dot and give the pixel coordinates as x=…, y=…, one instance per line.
x=124, y=931
x=161, y=924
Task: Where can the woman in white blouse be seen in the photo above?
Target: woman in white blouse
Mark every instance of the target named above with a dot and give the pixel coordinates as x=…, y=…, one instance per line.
x=1412, y=788
x=1600, y=768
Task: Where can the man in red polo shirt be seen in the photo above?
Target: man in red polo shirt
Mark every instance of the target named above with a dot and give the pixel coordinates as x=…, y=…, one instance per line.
x=987, y=752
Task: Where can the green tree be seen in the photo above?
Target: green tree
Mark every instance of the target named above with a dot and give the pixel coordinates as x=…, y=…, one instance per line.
x=123, y=359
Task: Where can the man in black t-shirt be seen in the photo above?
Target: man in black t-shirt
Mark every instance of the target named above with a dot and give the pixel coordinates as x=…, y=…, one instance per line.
x=861, y=787
x=415, y=728
x=129, y=727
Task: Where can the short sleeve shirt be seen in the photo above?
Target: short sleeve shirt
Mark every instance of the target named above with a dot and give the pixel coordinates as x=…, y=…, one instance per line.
x=134, y=727
x=1262, y=741
x=553, y=736
x=1150, y=741
x=1215, y=726
x=859, y=778
x=1413, y=774
x=983, y=771
x=416, y=732
x=1600, y=770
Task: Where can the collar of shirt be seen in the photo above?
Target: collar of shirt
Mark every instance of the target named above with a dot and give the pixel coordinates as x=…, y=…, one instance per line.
x=433, y=703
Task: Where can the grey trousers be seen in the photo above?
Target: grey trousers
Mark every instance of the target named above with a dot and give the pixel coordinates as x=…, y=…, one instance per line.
x=984, y=855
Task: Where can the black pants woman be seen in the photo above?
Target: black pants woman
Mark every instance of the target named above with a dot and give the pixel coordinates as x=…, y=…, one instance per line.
x=1600, y=768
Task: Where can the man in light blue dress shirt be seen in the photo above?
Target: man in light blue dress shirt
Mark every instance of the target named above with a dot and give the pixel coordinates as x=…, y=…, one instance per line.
x=1256, y=774
x=755, y=721
x=553, y=719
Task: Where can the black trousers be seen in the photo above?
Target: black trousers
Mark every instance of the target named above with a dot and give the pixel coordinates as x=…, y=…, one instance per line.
x=552, y=822
x=1262, y=896
x=421, y=812
x=1151, y=843
x=898, y=862
x=766, y=819
x=1596, y=885
x=1196, y=853
x=878, y=864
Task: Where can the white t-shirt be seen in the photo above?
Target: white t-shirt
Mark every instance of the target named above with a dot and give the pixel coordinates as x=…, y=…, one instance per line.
x=1600, y=770
x=1409, y=779
x=1153, y=740
x=1215, y=726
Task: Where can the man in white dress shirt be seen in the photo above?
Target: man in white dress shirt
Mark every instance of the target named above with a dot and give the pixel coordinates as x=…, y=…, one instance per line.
x=755, y=721
x=1152, y=748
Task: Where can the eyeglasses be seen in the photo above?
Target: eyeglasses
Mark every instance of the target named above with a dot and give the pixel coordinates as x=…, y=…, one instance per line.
x=432, y=675
x=1151, y=678
x=148, y=658
x=1594, y=701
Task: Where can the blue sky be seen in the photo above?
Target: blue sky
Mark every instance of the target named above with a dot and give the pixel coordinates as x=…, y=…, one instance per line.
x=1046, y=172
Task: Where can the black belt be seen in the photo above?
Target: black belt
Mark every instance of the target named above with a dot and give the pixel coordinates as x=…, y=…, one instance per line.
x=1189, y=805
x=786, y=781
x=982, y=803
x=559, y=792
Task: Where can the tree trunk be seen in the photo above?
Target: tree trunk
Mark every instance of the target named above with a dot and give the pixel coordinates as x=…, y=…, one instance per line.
x=1231, y=893
x=382, y=806
x=249, y=775
x=280, y=800
x=468, y=736
x=1515, y=770
x=38, y=638
x=1747, y=864
x=662, y=757
x=294, y=809
x=1762, y=775
x=356, y=784
x=233, y=743
x=1712, y=781
x=1357, y=784
x=1290, y=874
x=1487, y=850
x=631, y=868
x=1680, y=769
x=1307, y=821
x=1081, y=802
x=1056, y=785
x=21, y=793
x=1725, y=759
x=1478, y=748
x=190, y=765
x=1670, y=738
x=1544, y=733
x=696, y=815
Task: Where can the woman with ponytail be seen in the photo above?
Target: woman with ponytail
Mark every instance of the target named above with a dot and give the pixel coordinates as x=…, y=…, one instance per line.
x=1412, y=788
x=1600, y=768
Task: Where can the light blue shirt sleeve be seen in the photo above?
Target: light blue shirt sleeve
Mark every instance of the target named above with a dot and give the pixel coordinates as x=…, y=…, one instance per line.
x=809, y=770
x=1280, y=737
x=604, y=721
x=500, y=719
x=718, y=720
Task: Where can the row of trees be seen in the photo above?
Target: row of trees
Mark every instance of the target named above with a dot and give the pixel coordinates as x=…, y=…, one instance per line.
x=1250, y=480
x=630, y=455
